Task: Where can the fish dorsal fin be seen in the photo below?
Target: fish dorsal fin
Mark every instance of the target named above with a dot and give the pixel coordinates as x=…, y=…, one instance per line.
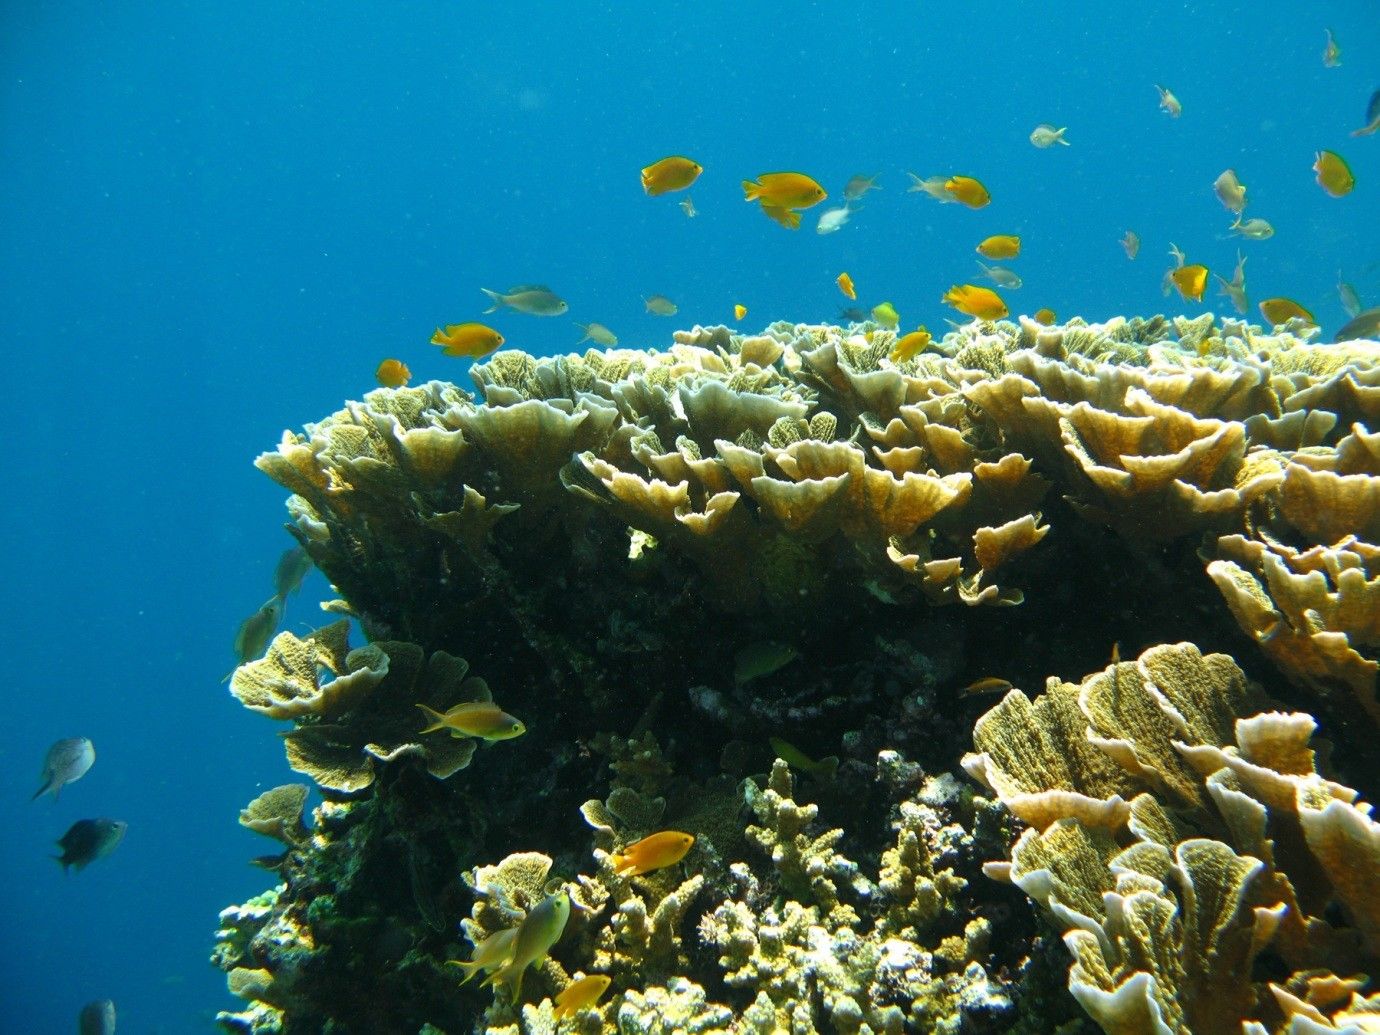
x=518, y=289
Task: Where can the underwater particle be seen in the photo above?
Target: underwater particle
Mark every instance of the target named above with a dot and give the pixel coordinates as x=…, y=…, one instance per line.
x=467, y=339
x=660, y=305
x=673, y=173
x=540, y=929
x=1169, y=104
x=687, y=205
x=1045, y=317
x=1003, y=278
x=1282, y=310
x=980, y=302
x=761, y=658
x=910, y=345
x=986, y=685
x=1351, y=301
x=1334, y=175
x=87, y=840
x=1230, y=191
x=1235, y=289
x=654, y=852
x=833, y=219
x=1130, y=244
x=1372, y=117
x=291, y=569
x=1256, y=229
x=66, y=762
x=1332, y=53
x=788, y=190
x=482, y=719
x=822, y=769
x=967, y=190
x=597, y=333
x=859, y=185
x=255, y=631
x=1000, y=246
x=845, y=283
x=931, y=185
x=739, y=311
x=1364, y=325
x=532, y=299
x=1044, y=135
x=885, y=314
x=393, y=373
x=580, y=995
x=97, y=1018
x=1191, y=281
x=489, y=955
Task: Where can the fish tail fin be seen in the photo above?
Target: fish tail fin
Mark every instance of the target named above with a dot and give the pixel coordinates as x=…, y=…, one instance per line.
x=584, y=327
x=495, y=298
x=471, y=970
x=44, y=790
x=751, y=191
x=438, y=721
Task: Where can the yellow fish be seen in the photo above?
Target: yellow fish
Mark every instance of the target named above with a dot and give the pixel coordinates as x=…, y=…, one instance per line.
x=392, y=373
x=490, y=954
x=597, y=333
x=822, y=769
x=908, y=347
x=739, y=311
x=845, y=283
x=540, y=929
x=482, y=719
x=1282, y=310
x=670, y=174
x=1000, y=246
x=580, y=995
x=885, y=314
x=784, y=190
x=1045, y=317
x=1169, y=103
x=981, y=302
x=1334, y=175
x=986, y=685
x=660, y=305
x=654, y=852
x=1191, y=281
x=467, y=339
x=967, y=191
x=790, y=220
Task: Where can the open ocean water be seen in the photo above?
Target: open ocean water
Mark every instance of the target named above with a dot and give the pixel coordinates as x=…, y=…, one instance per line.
x=216, y=219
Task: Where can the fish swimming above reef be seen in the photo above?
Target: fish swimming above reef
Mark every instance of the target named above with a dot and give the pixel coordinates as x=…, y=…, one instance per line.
x=67, y=761
x=1169, y=104
x=670, y=174
x=852, y=314
x=1191, y=280
x=1003, y=278
x=788, y=190
x=1229, y=191
x=392, y=373
x=490, y=954
x=845, y=283
x=532, y=299
x=88, y=840
x=909, y=346
x=1044, y=317
x=833, y=219
x=885, y=314
x=1334, y=175
x=1281, y=310
x=1045, y=135
x=291, y=569
x=97, y=1018
x=540, y=929
x=580, y=995
x=1235, y=289
x=986, y=685
x=859, y=185
x=1351, y=301
x=931, y=185
x=1372, y=117
x=468, y=339
x=255, y=631
x=1364, y=325
x=979, y=302
x=739, y=311
x=482, y=719
x=597, y=333
x=653, y=852
x=660, y=305
x=822, y=769
x=1256, y=229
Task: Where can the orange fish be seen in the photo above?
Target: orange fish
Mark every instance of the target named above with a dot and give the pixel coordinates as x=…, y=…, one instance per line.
x=467, y=339
x=1334, y=175
x=669, y=174
x=981, y=302
x=845, y=283
x=909, y=346
x=653, y=852
x=986, y=685
x=739, y=311
x=784, y=190
x=1045, y=317
x=1191, y=281
x=579, y=995
x=967, y=191
x=1282, y=310
x=1000, y=246
x=393, y=373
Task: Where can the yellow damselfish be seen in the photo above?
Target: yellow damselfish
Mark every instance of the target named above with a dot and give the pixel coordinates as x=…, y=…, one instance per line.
x=467, y=339
x=739, y=311
x=579, y=995
x=1282, y=310
x=1191, y=281
x=1045, y=317
x=654, y=852
x=910, y=345
x=1334, y=175
x=670, y=174
x=482, y=719
x=885, y=314
x=392, y=373
x=967, y=191
x=1000, y=246
x=784, y=190
x=981, y=302
x=845, y=283
x=540, y=929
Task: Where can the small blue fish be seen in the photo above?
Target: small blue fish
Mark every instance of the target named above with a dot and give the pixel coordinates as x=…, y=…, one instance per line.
x=66, y=762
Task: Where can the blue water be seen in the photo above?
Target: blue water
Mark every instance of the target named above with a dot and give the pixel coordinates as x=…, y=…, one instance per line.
x=215, y=220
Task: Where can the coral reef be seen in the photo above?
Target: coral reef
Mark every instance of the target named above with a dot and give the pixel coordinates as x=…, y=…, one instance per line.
x=661, y=560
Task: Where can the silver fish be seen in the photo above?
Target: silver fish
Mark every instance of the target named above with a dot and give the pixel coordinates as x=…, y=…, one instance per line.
x=597, y=333
x=533, y=299
x=1230, y=191
x=1045, y=135
x=88, y=840
x=255, y=631
x=859, y=185
x=66, y=762
x=1256, y=229
x=1351, y=301
x=660, y=305
x=292, y=569
x=833, y=219
x=1365, y=325
x=933, y=186
x=97, y=1018
x=1235, y=289
x=688, y=207
x=1001, y=277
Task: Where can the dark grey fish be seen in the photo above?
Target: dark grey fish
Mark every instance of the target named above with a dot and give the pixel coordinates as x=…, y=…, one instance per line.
x=535, y=299
x=292, y=569
x=88, y=840
x=66, y=762
x=1365, y=325
x=255, y=631
x=97, y=1018
x=852, y=315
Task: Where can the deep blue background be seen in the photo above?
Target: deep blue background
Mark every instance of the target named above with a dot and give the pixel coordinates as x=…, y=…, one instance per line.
x=215, y=220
